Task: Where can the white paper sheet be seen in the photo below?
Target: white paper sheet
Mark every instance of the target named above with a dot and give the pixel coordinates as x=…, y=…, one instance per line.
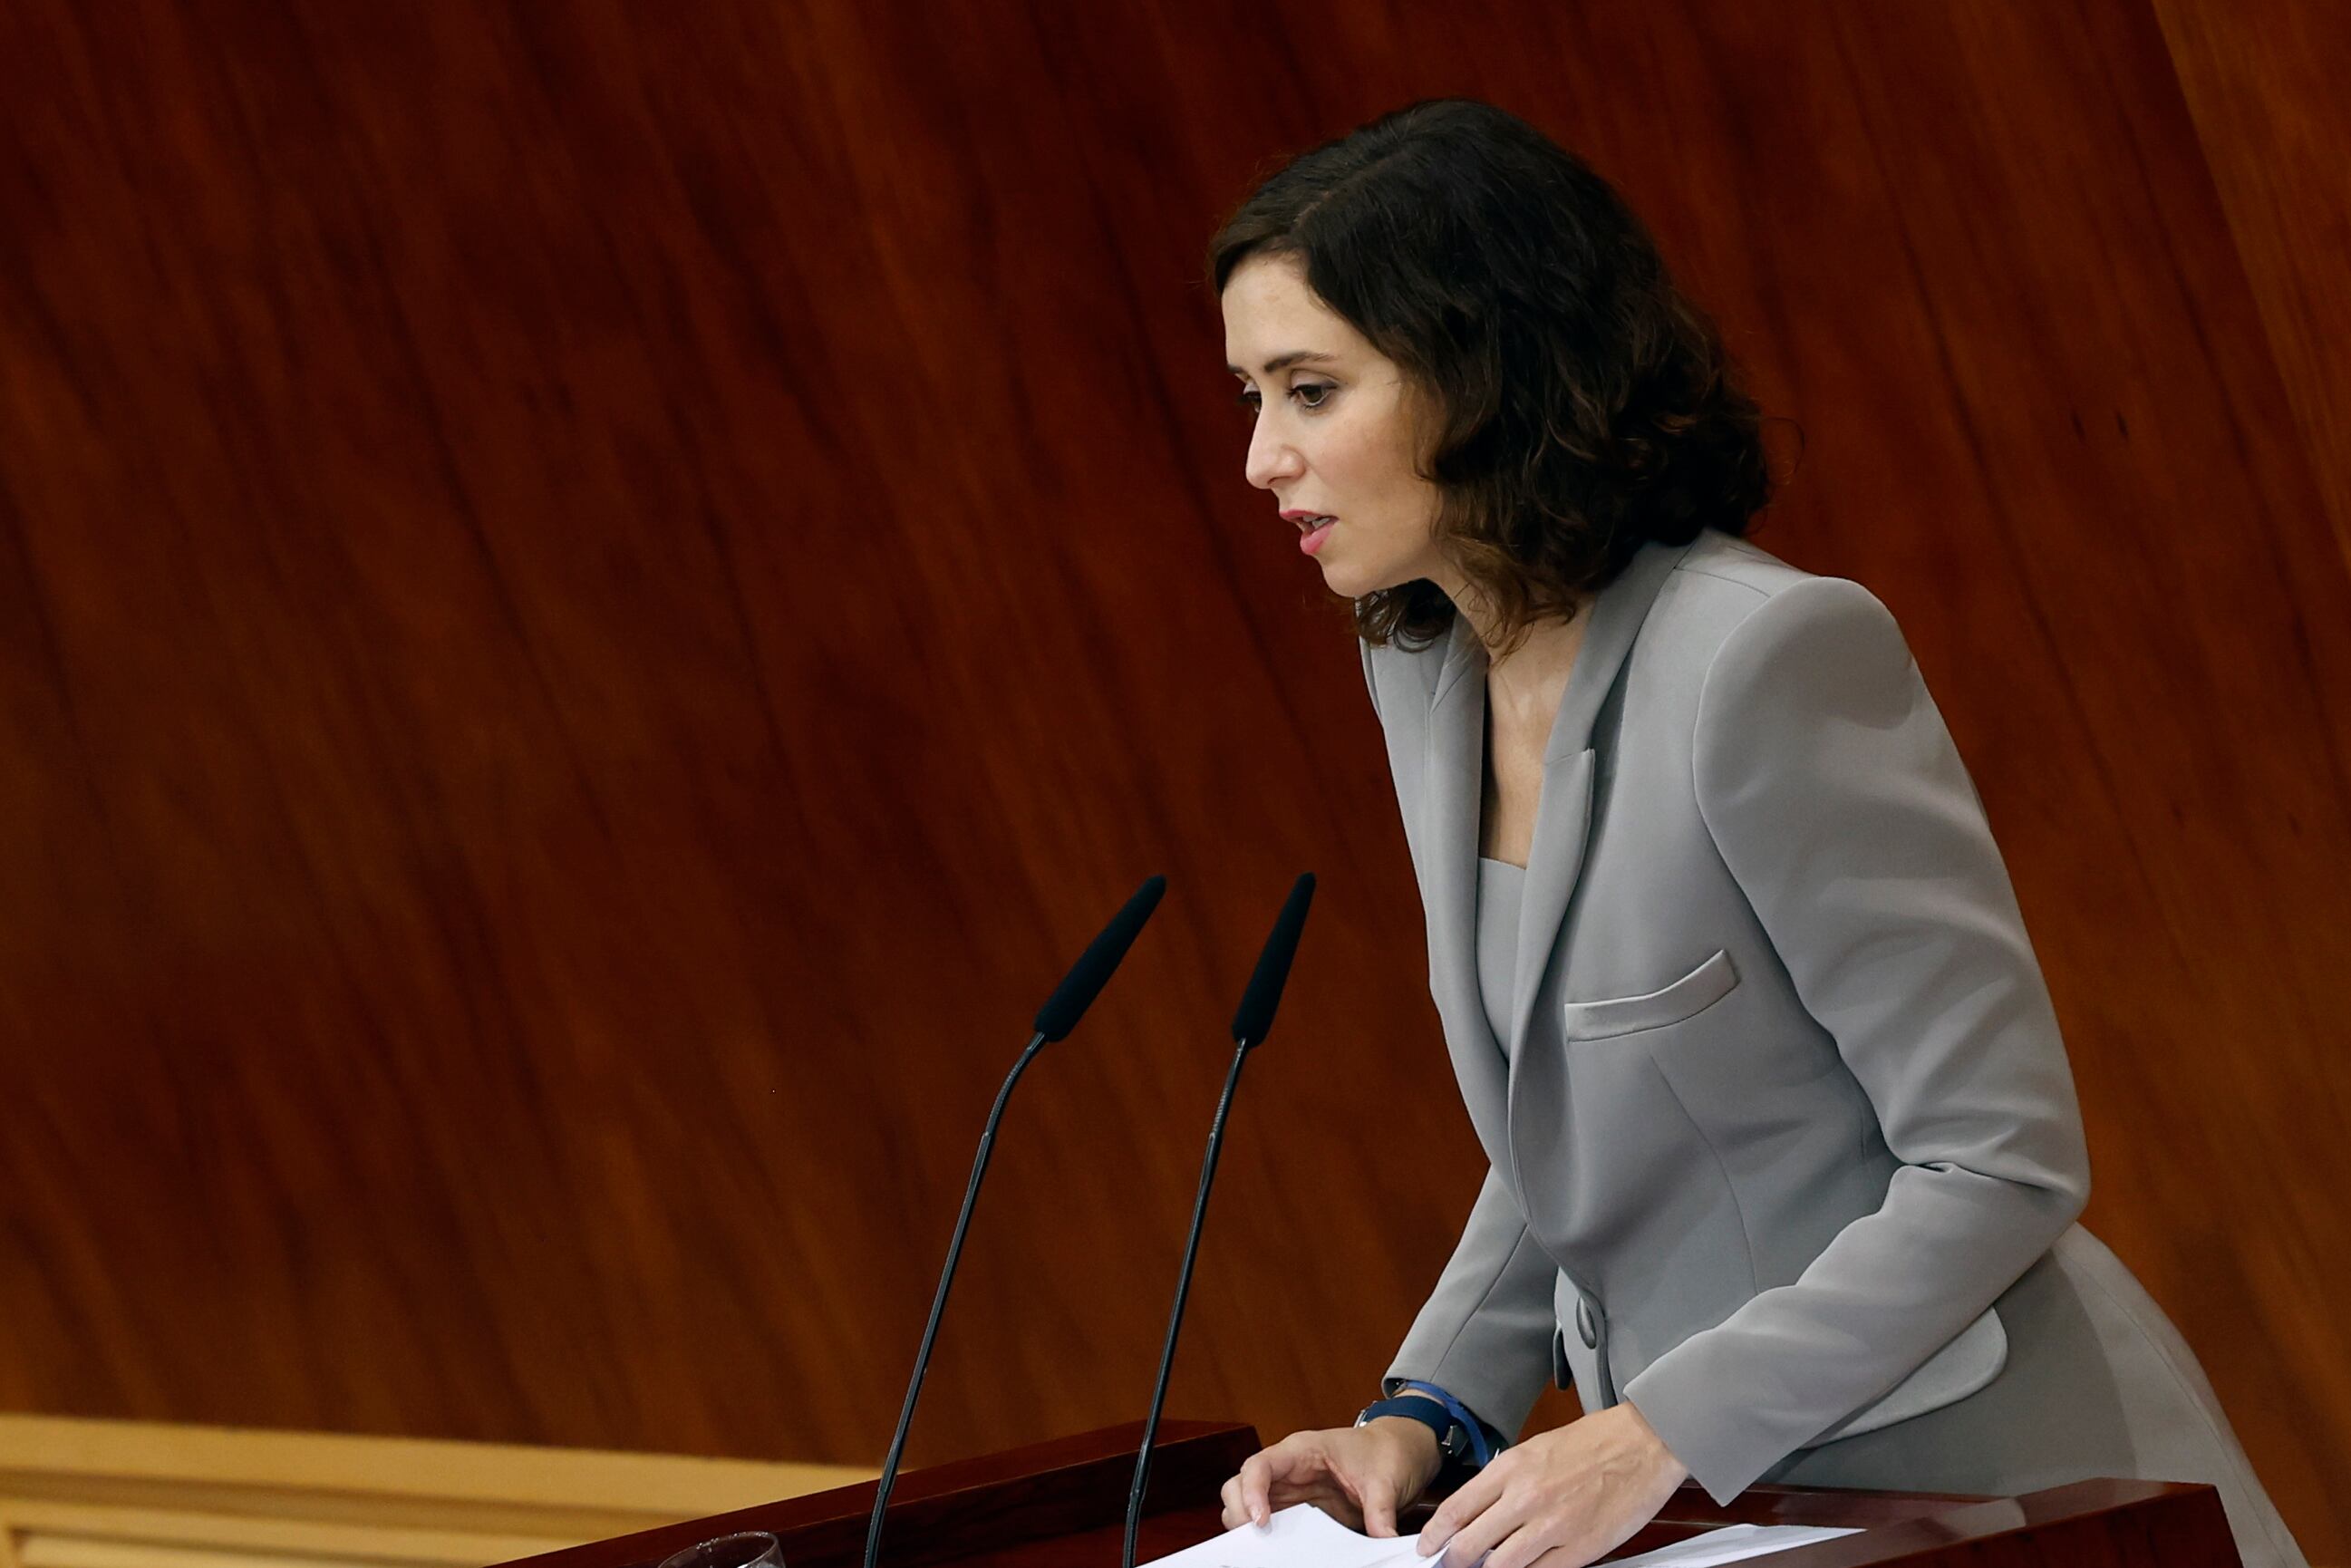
x=1731, y=1543
x=1304, y=1536
x=1298, y=1536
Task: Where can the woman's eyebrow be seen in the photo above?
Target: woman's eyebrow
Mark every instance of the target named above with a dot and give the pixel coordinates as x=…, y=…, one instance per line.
x=1283, y=362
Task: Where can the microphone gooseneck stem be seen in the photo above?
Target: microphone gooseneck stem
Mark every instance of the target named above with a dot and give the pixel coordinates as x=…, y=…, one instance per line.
x=938, y=1302
x=1175, y=1319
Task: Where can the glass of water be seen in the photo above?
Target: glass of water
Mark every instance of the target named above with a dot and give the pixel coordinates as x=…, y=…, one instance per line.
x=745, y=1549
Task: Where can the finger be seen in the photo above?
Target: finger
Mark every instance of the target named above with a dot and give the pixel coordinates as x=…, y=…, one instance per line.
x=1256, y=1478
x=1323, y=1490
x=1475, y=1497
x=1537, y=1543
x=1500, y=1519
x=1281, y=1466
x=1338, y=1507
x=1229, y=1494
x=1324, y=1493
x=1379, y=1508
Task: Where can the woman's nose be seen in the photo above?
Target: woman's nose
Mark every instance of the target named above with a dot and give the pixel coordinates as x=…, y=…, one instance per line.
x=1270, y=460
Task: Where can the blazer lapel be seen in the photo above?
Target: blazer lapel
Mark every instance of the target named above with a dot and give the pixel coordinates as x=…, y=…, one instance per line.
x=1453, y=785
x=1563, y=814
x=1453, y=788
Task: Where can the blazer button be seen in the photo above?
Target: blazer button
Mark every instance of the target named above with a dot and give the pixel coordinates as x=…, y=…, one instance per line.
x=1583, y=1326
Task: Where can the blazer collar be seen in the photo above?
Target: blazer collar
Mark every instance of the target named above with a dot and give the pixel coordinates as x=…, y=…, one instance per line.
x=1453, y=789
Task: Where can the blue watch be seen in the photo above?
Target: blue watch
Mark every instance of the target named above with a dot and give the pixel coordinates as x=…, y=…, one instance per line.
x=1461, y=1438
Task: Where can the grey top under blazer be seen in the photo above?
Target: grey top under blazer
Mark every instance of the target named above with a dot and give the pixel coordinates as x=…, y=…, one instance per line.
x=1783, y=1137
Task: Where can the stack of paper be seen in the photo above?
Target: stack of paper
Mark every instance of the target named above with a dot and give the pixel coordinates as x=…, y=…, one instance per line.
x=1304, y=1536
x=1301, y=1536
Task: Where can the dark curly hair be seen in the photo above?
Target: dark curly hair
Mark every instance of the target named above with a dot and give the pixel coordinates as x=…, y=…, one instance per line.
x=1582, y=406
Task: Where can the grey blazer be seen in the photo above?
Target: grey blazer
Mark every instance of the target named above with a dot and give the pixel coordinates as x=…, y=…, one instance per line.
x=1789, y=1116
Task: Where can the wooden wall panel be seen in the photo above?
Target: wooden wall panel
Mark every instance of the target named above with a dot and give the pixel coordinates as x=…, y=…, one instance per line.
x=595, y=600
x=2263, y=80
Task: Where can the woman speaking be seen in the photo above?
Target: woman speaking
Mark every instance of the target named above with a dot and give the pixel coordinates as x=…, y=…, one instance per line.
x=1784, y=1153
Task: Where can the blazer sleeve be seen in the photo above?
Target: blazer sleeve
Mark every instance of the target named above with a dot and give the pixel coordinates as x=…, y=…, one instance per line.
x=1839, y=802
x=1484, y=1334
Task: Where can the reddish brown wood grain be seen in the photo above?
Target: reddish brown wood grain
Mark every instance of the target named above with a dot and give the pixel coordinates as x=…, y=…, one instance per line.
x=2263, y=82
x=1063, y=1504
x=595, y=600
x=1036, y=1499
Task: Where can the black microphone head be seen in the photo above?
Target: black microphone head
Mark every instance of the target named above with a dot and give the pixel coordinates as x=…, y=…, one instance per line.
x=1092, y=970
x=1264, y=994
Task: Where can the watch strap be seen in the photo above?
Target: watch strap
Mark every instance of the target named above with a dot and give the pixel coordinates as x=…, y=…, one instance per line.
x=1485, y=1442
x=1452, y=1438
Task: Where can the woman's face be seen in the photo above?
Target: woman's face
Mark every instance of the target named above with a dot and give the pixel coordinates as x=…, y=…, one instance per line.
x=1333, y=433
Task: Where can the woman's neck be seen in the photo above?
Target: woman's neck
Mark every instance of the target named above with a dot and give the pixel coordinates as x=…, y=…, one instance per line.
x=1545, y=650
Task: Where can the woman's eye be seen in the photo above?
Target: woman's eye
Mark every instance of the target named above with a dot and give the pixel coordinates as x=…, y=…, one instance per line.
x=1248, y=398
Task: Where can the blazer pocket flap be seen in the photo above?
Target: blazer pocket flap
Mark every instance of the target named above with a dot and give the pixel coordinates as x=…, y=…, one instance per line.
x=1686, y=997
x=1971, y=1360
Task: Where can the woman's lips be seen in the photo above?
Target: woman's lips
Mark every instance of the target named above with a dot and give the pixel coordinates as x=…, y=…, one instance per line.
x=1314, y=538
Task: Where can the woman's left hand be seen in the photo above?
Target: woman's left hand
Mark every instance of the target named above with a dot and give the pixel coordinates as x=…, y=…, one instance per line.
x=1573, y=1492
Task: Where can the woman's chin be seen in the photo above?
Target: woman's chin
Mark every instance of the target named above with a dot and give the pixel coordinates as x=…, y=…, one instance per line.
x=1352, y=581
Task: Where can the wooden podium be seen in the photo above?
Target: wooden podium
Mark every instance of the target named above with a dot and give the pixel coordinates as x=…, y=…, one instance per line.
x=1063, y=1505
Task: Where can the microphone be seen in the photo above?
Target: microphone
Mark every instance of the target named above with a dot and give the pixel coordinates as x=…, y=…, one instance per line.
x=1055, y=1019
x=1251, y=1023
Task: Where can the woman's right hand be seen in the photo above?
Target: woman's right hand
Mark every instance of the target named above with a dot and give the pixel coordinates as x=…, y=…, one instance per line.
x=1359, y=1475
